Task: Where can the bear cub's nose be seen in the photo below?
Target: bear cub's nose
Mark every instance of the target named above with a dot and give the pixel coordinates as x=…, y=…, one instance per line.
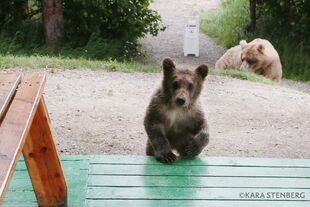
x=180, y=101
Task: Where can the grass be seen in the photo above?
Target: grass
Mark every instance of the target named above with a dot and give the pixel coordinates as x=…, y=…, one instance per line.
x=242, y=75
x=52, y=64
x=226, y=25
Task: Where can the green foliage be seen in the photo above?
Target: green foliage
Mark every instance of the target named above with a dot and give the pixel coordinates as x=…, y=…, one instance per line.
x=11, y=11
x=226, y=25
x=289, y=17
x=98, y=24
x=109, y=19
x=97, y=29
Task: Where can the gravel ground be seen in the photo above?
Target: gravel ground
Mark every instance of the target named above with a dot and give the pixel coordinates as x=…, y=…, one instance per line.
x=96, y=112
x=175, y=14
x=297, y=85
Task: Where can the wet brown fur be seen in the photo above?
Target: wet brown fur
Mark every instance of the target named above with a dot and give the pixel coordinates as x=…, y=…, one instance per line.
x=170, y=126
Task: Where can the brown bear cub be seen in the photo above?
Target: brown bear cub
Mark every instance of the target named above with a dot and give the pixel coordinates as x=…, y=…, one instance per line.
x=174, y=119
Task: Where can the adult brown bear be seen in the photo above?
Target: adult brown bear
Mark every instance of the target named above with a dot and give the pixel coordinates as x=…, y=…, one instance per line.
x=258, y=56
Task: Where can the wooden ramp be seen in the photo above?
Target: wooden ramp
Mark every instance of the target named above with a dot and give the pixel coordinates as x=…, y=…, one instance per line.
x=132, y=181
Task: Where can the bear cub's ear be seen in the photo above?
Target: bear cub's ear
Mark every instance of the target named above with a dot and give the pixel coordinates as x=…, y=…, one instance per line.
x=202, y=71
x=243, y=43
x=168, y=65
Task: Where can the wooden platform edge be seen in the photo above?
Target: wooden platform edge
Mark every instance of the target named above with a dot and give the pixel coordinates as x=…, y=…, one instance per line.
x=14, y=129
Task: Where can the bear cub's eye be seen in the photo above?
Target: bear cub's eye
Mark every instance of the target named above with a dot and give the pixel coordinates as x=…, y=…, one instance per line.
x=175, y=85
x=190, y=87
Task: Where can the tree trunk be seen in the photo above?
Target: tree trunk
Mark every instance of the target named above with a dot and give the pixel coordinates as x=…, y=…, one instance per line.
x=53, y=23
x=252, y=25
x=26, y=8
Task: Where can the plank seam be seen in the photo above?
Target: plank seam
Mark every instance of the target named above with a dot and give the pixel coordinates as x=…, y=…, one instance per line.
x=199, y=187
x=203, y=176
x=245, y=166
x=189, y=199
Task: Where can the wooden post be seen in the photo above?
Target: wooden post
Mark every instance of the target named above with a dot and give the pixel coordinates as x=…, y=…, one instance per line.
x=43, y=163
x=53, y=23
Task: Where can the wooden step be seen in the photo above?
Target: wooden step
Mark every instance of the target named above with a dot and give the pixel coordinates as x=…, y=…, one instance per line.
x=133, y=181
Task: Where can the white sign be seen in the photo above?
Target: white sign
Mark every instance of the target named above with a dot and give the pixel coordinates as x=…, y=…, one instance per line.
x=191, y=38
x=191, y=31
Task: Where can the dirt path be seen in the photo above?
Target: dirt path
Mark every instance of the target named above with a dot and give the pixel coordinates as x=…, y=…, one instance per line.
x=100, y=112
x=175, y=14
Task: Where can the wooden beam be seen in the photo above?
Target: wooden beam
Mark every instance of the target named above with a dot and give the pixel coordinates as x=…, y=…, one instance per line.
x=43, y=162
x=16, y=124
x=8, y=85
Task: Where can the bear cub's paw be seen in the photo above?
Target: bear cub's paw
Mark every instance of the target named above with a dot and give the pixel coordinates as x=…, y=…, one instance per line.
x=190, y=149
x=166, y=157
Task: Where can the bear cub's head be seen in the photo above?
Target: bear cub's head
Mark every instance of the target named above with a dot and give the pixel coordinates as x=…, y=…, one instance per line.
x=182, y=86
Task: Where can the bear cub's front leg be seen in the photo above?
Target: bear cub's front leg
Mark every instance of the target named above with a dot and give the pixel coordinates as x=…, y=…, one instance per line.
x=157, y=144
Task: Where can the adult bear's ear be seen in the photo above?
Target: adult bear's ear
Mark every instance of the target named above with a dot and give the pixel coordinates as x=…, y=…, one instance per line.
x=261, y=48
x=168, y=66
x=243, y=43
x=202, y=71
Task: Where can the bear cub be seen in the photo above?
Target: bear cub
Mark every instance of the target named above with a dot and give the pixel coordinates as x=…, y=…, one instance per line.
x=174, y=119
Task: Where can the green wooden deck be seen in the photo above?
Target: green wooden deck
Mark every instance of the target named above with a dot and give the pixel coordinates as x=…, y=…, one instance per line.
x=133, y=181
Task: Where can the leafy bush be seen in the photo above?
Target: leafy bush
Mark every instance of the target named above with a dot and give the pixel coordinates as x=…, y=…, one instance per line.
x=93, y=29
x=110, y=19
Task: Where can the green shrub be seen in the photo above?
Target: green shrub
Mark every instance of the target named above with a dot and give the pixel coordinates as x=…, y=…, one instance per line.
x=93, y=29
x=109, y=19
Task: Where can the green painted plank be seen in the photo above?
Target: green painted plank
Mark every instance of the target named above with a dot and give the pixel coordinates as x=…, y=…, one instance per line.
x=68, y=157
x=22, y=175
x=19, y=197
x=176, y=181
x=76, y=173
x=192, y=203
x=198, y=170
x=22, y=166
x=24, y=204
x=216, y=161
x=164, y=193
